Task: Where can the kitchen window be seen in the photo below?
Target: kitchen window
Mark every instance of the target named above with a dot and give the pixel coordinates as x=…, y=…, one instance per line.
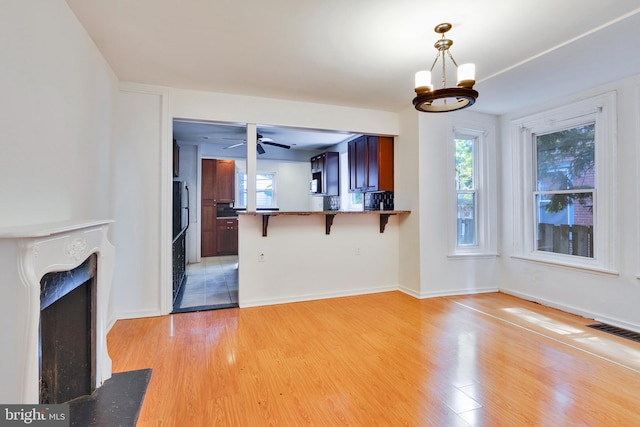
x=265, y=189
x=567, y=189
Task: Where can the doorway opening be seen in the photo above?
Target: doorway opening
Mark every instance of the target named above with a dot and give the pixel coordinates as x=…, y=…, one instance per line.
x=209, y=159
x=210, y=284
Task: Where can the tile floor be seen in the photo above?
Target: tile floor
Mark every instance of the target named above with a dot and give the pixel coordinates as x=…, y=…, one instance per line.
x=210, y=284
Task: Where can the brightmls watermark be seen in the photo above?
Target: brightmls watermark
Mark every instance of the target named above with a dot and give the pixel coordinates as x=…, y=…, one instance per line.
x=34, y=415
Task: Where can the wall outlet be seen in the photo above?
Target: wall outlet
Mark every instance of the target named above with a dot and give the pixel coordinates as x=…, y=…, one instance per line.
x=358, y=250
x=260, y=256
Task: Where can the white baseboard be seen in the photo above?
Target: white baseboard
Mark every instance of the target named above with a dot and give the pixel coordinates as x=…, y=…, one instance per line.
x=575, y=310
x=450, y=293
x=110, y=322
x=314, y=296
x=410, y=292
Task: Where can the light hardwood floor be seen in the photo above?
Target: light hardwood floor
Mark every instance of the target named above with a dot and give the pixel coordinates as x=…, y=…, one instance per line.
x=383, y=359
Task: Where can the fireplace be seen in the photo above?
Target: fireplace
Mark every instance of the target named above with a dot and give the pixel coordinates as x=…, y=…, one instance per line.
x=55, y=278
x=67, y=333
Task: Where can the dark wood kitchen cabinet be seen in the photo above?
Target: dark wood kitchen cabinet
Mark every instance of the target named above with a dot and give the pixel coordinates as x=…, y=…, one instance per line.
x=225, y=181
x=370, y=164
x=218, y=187
x=325, y=171
x=209, y=229
x=227, y=236
x=218, y=180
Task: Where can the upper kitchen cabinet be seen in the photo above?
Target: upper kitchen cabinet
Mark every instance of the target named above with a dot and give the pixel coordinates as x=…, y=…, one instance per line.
x=225, y=181
x=371, y=164
x=325, y=174
x=218, y=180
x=209, y=168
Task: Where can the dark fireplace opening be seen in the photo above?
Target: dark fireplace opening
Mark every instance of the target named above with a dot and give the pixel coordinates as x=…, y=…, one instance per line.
x=67, y=342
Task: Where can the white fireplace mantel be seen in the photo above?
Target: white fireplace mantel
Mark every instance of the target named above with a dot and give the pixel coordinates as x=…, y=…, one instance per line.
x=27, y=253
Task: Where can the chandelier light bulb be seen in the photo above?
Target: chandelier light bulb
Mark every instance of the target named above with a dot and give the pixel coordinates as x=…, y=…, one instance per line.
x=423, y=81
x=466, y=75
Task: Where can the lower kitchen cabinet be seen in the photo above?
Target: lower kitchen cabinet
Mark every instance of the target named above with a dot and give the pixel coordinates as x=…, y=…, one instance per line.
x=227, y=231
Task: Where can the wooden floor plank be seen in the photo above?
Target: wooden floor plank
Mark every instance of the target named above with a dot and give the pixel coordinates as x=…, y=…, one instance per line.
x=383, y=359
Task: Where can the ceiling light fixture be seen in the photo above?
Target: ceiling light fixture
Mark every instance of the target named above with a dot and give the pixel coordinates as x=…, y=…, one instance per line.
x=432, y=100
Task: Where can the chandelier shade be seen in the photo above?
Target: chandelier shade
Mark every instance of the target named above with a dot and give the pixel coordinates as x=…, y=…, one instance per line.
x=446, y=99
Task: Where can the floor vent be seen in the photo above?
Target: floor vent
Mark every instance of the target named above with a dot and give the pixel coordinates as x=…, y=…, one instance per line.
x=614, y=330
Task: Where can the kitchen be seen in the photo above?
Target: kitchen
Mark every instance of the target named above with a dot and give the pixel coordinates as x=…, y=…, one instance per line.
x=298, y=172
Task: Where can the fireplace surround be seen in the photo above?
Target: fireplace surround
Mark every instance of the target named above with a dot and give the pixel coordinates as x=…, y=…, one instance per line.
x=27, y=253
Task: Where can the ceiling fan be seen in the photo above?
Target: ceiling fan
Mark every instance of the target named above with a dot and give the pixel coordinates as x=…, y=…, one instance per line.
x=261, y=140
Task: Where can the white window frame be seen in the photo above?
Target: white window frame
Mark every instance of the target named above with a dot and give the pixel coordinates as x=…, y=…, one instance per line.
x=600, y=110
x=484, y=169
x=274, y=198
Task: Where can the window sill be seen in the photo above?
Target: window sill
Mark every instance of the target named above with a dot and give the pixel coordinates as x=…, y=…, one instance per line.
x=473, y=255
x=570, y=266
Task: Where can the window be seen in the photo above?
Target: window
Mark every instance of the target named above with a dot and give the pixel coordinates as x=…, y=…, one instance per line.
x=565, y=161
x=564, y=193
x=473, y=197
x=466, y=190
x=265, y=189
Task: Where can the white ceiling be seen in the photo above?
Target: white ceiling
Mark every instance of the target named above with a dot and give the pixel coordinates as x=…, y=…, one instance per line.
x=364, y=53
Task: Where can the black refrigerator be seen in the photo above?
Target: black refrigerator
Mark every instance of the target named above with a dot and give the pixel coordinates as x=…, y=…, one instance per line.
x=180, y=207
x=180, y=225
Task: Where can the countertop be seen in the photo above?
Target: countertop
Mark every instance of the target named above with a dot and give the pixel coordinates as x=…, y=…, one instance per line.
x=329, y=216
x=341, y=212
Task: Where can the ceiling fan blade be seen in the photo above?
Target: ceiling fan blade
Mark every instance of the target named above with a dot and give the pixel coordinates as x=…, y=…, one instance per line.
x=260, y=149
x=235, y=145
x=275, y=144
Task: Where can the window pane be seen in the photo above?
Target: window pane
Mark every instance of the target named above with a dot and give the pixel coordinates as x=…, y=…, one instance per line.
x=467, y=219
x=242, y=191
x=565, y=223
x=264, y=190
x=565, y=159
x=464, y=163
x=265, y=183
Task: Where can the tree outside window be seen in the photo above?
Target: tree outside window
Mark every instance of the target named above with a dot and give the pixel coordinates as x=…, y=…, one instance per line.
x=564, y=194
x=466, y=190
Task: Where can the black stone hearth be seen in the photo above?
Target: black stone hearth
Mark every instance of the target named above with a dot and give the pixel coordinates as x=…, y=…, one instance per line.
x=116, y=403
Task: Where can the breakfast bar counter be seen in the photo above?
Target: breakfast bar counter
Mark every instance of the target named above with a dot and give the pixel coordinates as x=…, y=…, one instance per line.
x=329, y=216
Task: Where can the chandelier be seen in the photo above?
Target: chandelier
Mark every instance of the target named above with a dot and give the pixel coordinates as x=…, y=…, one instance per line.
x=432, y=100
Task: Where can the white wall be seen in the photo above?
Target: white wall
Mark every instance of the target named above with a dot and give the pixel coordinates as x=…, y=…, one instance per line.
x=55, y=115
x=609, y=298
x=292, y=183
x=441, y=274
x=301, y=262
x=407, y=196
x=56, y=107
x=141, y=204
